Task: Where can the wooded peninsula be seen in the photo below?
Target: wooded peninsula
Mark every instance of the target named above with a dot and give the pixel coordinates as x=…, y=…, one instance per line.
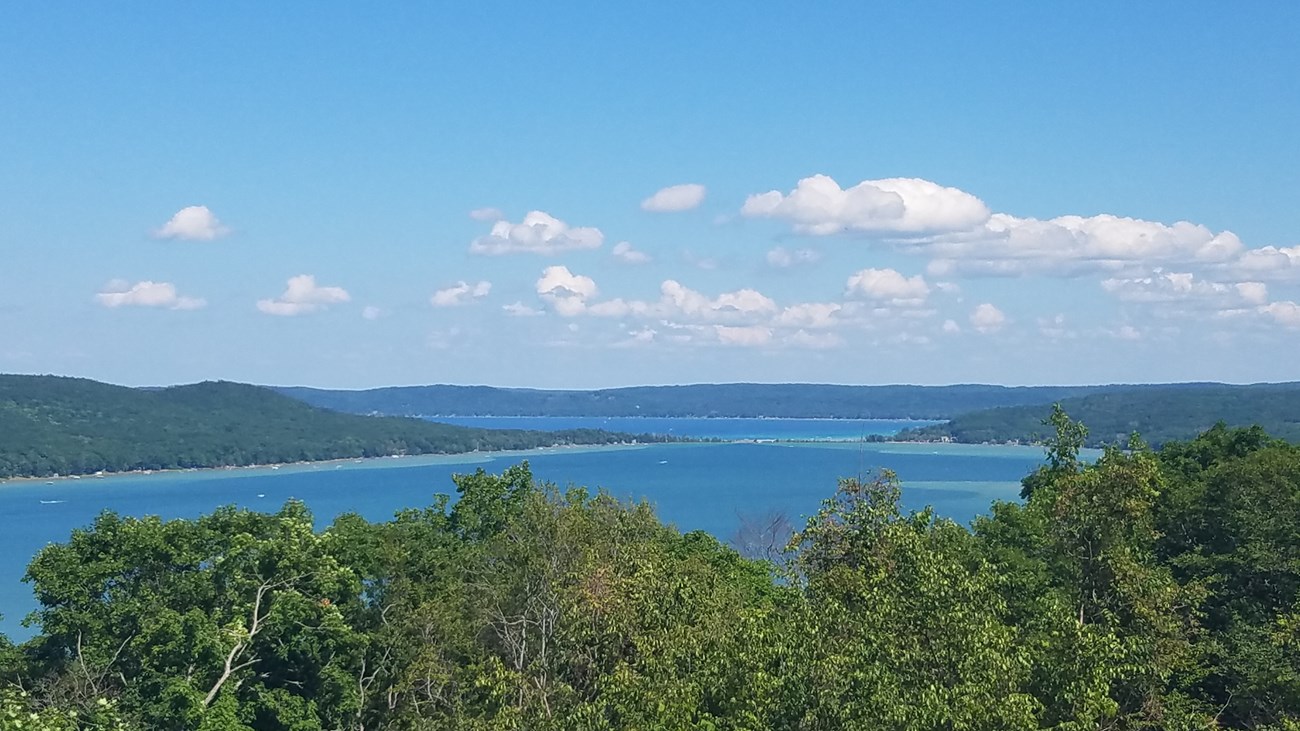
x=71, y=426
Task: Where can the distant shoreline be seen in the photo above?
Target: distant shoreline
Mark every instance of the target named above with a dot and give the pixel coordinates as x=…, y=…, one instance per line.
x=475, y=456
x=643, y=416
x=93, y=477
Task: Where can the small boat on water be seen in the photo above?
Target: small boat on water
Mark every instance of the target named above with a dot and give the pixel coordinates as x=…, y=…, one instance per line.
x=261, y=494
x=52, y=502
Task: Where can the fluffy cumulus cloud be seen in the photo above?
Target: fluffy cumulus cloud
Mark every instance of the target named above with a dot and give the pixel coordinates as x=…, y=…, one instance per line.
x=682, y=197
x=567, y=293
x=1167, y=287
x=303, y=296
x=1283, y=313
x=626, y=253
x=460, y=293
x=889, y=287
x=745, y=336
x=743, y=304
x=1070, y=245
x=487, y=214
x=961, y=236
x=192, y=223
x=892, y=206
x=783, y=258
x=815, y=315
x=986, y=318
x=1268, y=262
x=120, y=293
x=538, y=233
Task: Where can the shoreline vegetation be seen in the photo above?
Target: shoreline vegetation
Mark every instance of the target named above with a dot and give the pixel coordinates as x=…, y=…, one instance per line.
x=70, y=426
x=1159, y=414
x=304, y=464
x=58, y=427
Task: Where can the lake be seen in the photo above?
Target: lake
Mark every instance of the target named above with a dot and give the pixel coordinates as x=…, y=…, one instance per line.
x=694, y=486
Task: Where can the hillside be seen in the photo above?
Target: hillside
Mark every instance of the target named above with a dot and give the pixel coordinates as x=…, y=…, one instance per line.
x=1159, y=415
x=789, y=400
x=59, y=426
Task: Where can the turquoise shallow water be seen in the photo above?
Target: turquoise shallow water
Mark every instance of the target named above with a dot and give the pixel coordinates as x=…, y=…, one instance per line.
x=694, y=486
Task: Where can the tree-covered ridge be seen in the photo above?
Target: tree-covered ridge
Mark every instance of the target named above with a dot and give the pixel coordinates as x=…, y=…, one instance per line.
x=1150, y=590
x=1159, y=414
x=69, y=426
x=776, y=400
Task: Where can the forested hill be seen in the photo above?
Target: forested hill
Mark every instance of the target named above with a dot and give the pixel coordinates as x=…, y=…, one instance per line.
x=66, y=426
x=1159, y=415
x=790, y=400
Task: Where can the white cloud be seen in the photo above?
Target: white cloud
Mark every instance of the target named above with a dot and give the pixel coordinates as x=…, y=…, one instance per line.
x=1127, y=332
x=618, y=307
x=303, y=296
x=1071, y=245
x=817, y=315
x=1285, y=313
x=1255, y=293
x=675, y=198
x=460, y=293
x=624, y=252
x=783, y=258
x=1168, y=287
x=643, y=336
x=747, y=336
x=986, y=318
x=539, y=233
x=119, y=293
x=743, y=304
x=567, y=293
x=192, y=223
x=889, y=286
x=519, y=309
x=487, y=214
x=951, y=326
x=1268, y=262
x=370, y=312
x=912, y=206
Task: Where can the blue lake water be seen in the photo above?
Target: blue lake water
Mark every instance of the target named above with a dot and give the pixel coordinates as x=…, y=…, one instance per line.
x=694, y=486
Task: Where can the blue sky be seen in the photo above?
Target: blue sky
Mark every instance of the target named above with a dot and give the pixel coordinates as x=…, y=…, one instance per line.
x=600, y=194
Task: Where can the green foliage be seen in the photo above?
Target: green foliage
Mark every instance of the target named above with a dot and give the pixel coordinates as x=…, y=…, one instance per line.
x=1148, y=590
x=787, y=400
x=69, y=426
x=1160, y=413
x=19, y=711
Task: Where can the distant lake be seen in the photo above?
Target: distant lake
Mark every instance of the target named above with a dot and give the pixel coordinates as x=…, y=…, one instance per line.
x=694, y=486
x=793, y=429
